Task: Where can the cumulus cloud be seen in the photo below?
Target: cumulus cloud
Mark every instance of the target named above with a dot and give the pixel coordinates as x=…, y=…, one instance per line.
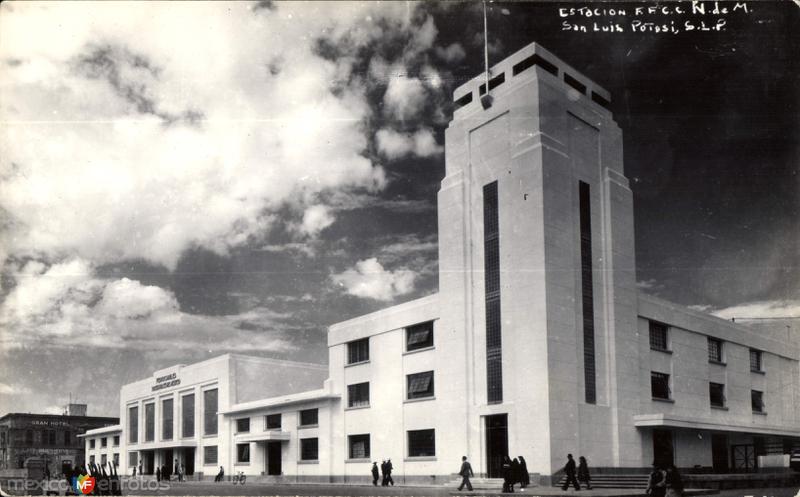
x=452, y=54
x=394, y=144
x=315, y=219
x=774, y=309
x=6, y=389
x=369, y=279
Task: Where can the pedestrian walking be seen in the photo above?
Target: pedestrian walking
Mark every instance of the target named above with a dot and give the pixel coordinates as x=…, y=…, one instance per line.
x=508, y=487
x=523, y=468
x=134, y=471
x=158, y=474
x=466, y=473
x=516, y=472
x=673, y=482
x=140, y=470
x=389, y=468
x=656, y=486
x=569, y=470
x=583, y=473
x=384, y=481
x=375, y=473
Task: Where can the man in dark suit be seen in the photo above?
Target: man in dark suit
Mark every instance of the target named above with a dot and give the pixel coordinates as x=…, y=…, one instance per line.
x=466, y=472
x=569, y=470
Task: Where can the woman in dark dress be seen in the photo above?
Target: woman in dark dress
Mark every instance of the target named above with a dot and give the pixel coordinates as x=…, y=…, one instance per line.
x=508, y=476
x=525, y=477
x=583, y=473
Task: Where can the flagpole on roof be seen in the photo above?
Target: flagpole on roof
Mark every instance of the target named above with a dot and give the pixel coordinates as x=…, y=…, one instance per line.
x=486, y=45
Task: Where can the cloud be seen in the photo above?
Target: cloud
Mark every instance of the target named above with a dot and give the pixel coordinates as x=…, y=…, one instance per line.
x=315, y=219
x=369, y=279
x=6, y=389
x=394, y=144
x=405, y=97
x=650, y=284
x=452, y=54
x=773, y=309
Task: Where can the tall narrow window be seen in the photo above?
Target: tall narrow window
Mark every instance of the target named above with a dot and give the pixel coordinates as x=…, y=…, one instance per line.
x=133, y=424
x=491, y=261
x=659, y=386
x=587, y=294
x=167, y=419
x=716, y=393
x=658, y=336
x=187, y=416
x=755, y=361
x=149, y=422
x=757, y=400
x=210, y=401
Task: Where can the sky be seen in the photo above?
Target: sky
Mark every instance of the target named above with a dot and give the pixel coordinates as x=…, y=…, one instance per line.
x=181, y=180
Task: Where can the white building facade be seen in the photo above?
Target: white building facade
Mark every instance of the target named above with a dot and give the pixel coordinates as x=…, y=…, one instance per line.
x=538, y=342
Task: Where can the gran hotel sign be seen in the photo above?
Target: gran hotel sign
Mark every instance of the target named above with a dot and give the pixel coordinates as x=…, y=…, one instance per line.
x=166, y=381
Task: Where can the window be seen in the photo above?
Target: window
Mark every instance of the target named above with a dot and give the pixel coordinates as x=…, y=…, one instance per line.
x=420, y=385
x=149, y=422
x=659, y=385
x=133, y=424
x=755, y=361
x=210, y=454
x=91, y=459
x=757, y=399
x=167, y=419
x=91, y=443
x=419, y=336
x=491, y=267
x=116, y=440
x=115, y=458
x=421, y=443
x=103, y=459
x=658, y=336
x=358, y=351
x=68, y=438
x=133, y=459
x=29, y=437
x=187, y=416
x=716, y=392
x=309, y=449
x=273, y=421
x=359, y=446
x=104, y=442
x=243, y=425
x=714, y=350
x=210, y=412
x=243, y=452
x=309, y=417
x=358, y=395
x=587, y=291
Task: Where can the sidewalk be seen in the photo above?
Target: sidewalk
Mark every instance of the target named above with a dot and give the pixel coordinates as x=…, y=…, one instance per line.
x=596, y=492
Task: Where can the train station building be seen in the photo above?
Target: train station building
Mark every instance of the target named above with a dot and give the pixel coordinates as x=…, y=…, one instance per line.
x=538, y=342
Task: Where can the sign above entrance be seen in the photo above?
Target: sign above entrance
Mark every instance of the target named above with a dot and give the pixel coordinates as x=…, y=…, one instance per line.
x=166, y=381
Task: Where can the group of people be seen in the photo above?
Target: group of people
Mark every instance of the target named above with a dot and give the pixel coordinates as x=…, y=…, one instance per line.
x=106, y=482
x=577, y=475
x=164, y=473
x=665, y=481
x=515, y=471
x=386, y=471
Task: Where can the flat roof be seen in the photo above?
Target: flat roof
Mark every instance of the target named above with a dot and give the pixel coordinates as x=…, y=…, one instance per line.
x=297, y=398
x=102, y=431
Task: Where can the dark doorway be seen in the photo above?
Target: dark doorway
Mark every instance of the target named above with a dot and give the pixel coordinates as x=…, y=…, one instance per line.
x=744, y=458
x=496, y=444
x=662, y=448
x=167, y=461
x=719, y=453
x=148, y=467
x=188, y=461
x=274, y=458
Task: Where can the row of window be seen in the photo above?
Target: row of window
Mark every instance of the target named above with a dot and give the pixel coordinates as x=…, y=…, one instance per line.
x=44, y=437
x=210, y=423
x=308, y=417
x=104, y=459
x=659, y=340
x=660, y=389
x=104, y=442
x=418, y=337
x=418, y=386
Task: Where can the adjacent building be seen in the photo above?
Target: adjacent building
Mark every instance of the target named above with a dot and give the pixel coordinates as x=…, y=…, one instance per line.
x=538, y=342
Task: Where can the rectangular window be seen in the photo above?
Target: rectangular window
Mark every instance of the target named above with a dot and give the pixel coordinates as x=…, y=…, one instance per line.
x=149, y=422
x=421, y=443
x=419, y=336
x=116, y=440
x=309, y=449
x=273, y=421
x=755, y=361
x=716, y=393
x=757, y=399
x=187, y=416
x=133, y=424
x=491, y=263
x=91, y=443
x=103, y=459
x=587, y=293
x=658, y=336
x=659, y=386
x=68, y=438
x=358, y=351
x=29, y=437
x=104, y=442
x=116, y=459
x=358, y=395
x=91, y=459
x=420, y=385
x=359, y=446
x=167, y=419
x=309, y=417
x=133, y=459
x=210, y=454
x=243, y=452
x=210, y=412
x=243, y=425
x=714, y=350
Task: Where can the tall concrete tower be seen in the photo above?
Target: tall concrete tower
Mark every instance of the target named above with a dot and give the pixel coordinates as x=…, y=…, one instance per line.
x=536, y=260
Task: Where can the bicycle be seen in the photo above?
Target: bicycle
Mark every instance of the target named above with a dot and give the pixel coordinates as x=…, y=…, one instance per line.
x=239, y=478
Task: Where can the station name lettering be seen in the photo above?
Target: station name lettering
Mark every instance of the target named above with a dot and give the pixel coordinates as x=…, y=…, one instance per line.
x=166, y=381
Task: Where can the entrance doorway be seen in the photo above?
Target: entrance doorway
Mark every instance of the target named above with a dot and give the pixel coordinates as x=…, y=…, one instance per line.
x=496, y=444
x=744, y=458
x=167, y=462
x=662, y=448
x=274, y=458
x=188, y=461
x=148, y=462
x=719, y=453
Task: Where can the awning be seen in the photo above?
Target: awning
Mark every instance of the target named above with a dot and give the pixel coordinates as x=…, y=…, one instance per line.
x=671, y=421
x=266, y=436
